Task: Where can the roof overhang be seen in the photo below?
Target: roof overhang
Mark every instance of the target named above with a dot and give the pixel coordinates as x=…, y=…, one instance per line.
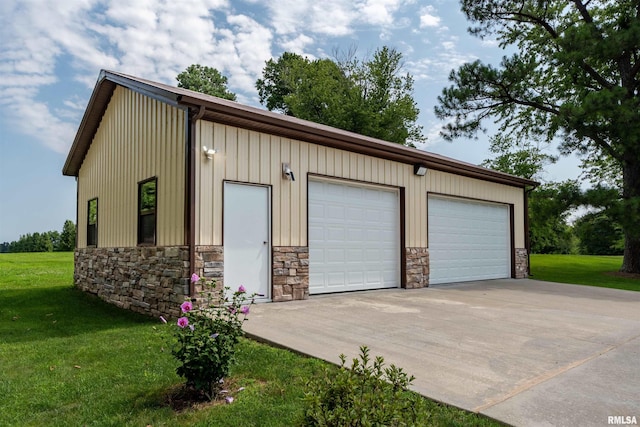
x=232, y=113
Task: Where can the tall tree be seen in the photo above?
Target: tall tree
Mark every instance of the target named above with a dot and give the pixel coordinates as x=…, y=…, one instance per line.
x=575, y=76
x=520, y=158
x=205, y=80
x=67, y=237
x=371, y=97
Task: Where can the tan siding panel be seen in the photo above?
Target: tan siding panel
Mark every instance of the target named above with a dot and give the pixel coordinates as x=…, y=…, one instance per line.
x=289, y=199
x=138, y=138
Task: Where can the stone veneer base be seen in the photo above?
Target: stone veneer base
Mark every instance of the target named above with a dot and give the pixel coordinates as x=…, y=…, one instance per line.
x=155, y=280
x=417, y=268
x=148, y=280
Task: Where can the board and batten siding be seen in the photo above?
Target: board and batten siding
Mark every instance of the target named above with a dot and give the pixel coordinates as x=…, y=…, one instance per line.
x=255, y=157
x=138, y=138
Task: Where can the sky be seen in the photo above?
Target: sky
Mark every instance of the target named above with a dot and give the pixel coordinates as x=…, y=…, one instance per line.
x=52, y=51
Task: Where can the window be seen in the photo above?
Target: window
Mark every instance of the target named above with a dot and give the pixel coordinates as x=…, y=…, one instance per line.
x=147, y=203
x=92, y=222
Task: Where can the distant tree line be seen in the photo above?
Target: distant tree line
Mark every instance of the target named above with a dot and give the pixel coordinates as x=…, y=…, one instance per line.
x=48, y=241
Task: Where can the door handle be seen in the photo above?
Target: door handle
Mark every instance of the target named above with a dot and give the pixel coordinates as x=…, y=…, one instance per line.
x=265, y=242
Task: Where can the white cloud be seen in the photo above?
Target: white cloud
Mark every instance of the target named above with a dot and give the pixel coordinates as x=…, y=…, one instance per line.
x=154, y=39
x=491, y=43
x=297, y=45
x=449, y=45
x=50, y=46
x=438, y=65
x=249, y=44
x=378, y=12
x=333, y=18
x=36, y=120
x=428, y=17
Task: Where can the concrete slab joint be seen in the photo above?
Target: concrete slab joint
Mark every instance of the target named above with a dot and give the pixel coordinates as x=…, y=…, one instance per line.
x=290, y=273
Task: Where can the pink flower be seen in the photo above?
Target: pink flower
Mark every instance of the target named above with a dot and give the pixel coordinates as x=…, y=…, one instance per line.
x=195, y=278
x=242, y=289
x=232, y=310
x=163, y=319
x=186, y=307
x=183, y=322
x=229, y=399
x=245, y=310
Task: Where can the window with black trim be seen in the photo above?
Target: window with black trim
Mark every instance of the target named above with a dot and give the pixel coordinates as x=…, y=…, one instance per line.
x=92, y=222
x=147, y=202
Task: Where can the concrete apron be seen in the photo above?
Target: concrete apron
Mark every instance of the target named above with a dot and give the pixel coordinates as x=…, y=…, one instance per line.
x=525, y=352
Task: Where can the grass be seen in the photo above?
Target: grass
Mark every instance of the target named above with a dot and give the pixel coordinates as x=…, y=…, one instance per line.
x=583, y=270
x=67, y=358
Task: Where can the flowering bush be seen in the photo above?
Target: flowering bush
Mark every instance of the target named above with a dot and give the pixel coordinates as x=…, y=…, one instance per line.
x=206, y=336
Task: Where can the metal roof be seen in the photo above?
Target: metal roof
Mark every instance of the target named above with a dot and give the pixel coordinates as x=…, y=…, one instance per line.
x=233, y=113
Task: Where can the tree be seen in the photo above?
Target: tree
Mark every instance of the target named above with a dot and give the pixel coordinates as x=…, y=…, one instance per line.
x=550, y=204
x=67, y=237
x=599, y=234
x=549, y=208
x=522, y=159
x=575, y=76
x=370, y=97
x=206, y=80
x=54, y=237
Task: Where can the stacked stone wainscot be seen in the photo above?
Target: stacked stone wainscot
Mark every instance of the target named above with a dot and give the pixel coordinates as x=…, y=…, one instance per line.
x=148, y=280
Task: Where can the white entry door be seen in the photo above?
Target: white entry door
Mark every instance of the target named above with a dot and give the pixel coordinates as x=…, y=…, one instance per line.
x=247, y=238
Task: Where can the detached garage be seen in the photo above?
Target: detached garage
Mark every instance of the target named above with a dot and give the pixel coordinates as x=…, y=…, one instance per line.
x=173, y=182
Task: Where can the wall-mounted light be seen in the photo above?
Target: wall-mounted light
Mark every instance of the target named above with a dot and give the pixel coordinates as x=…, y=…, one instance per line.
x=419, y=169
x=209, y=152
x=287, y=172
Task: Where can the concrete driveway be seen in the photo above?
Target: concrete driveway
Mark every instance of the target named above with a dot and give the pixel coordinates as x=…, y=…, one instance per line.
x=525, y=352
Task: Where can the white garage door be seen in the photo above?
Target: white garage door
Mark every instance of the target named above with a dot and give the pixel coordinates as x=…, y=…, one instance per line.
x=354, y=240
x=467, y=240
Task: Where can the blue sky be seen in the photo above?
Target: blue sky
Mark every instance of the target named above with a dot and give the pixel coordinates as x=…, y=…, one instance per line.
x=53, y=50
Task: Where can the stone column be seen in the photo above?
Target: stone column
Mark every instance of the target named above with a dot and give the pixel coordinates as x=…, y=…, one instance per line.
x=417, y=268
x=290, y=273
x=522, y=263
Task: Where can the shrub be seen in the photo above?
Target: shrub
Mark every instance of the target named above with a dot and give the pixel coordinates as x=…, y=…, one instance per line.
x=206, y=336
x=367, y=394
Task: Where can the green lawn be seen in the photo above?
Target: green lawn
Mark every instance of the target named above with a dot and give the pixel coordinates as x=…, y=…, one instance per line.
x=582, y=269
x=67, y=358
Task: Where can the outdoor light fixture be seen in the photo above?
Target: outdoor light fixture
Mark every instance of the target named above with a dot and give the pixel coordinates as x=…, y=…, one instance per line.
x=209, y=152
x=287, y=172
x=419, y=169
